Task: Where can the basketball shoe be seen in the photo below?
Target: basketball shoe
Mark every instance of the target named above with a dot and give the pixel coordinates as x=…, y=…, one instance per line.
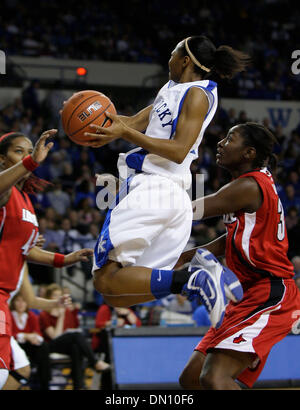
x=212, y=283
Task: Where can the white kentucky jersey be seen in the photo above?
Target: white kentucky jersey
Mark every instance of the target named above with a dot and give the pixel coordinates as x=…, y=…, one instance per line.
x=163, y=121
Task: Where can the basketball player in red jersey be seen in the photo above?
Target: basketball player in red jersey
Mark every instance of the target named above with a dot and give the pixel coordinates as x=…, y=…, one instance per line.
x=19, y=227
x=256, y=247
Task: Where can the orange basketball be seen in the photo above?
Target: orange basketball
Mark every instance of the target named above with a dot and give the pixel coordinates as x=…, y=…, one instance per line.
x=83, y=109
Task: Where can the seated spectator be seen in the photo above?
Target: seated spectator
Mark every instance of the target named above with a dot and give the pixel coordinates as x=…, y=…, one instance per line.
x=178, y=303
x=296, y=263
x=177, y=309
x=30, y=97
x=59, y=200
x=200, y=316
x=293, y=179
x=291, y=218
x=40, y=202
x=56, y=165
x=68, y=178
x=68, y=237
x=290, y=199
x=105, y=317
x=72, y=214
x=85, y=190
x=60, y=329
x=85, y=211
x=50, y=234
x=26, y=330
x=68, y=241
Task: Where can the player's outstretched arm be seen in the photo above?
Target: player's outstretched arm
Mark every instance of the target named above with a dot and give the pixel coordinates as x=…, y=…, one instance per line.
x=190, y=121
x=217, y=247
x=35, y=302
x=139, y=121
x=240, y=194
x=11, y=176
x=42, y=257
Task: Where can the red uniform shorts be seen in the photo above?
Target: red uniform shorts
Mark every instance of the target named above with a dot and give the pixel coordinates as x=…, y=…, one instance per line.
x=5, y=352
x=5, y=333
x=264, y=317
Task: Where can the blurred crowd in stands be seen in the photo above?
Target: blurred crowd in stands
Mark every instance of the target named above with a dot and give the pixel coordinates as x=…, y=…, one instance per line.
x=147, y=31
x=68, y=215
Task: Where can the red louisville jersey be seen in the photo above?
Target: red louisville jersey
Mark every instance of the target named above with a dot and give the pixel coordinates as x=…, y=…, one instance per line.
x=18, y=234
x=257, y=243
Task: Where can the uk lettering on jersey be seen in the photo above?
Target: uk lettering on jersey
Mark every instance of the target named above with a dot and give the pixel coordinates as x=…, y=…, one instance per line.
x=18, y=234
x=163, y=121
x=257, y=243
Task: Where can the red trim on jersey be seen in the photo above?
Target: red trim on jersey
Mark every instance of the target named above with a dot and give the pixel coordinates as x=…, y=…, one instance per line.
x=257, y=243
x=19, y=232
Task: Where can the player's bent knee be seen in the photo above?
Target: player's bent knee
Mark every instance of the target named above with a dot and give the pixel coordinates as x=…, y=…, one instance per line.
x=105, y=279
x=24, y=371
x=103, y=282
x=117, y=301
x=209, y=380
x=188, y=380
x=183, y=380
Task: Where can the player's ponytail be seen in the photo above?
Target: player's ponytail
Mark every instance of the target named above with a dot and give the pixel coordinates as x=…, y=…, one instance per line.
x=228, y=62
x=209, y=60
x=33, y=184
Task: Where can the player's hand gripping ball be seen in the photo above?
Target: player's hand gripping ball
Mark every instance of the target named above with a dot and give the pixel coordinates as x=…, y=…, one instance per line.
x=83, y=109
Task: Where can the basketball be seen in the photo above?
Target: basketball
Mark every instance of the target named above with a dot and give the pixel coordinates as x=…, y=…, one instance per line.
x=83, y=109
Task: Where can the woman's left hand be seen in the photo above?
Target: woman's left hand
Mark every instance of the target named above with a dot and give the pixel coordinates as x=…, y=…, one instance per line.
x=100, y=136
x=64, y=301
x=40, y=241
x=82, y=255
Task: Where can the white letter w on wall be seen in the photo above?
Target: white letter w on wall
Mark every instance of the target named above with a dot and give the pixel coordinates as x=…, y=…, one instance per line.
x=280, y=116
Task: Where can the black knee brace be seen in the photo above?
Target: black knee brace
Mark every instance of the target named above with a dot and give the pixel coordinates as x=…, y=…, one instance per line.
x=17, y=376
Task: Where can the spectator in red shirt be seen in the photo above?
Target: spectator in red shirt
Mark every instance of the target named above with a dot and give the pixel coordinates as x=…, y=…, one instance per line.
x=61, y=328
x=104, y=319
x=26, y=330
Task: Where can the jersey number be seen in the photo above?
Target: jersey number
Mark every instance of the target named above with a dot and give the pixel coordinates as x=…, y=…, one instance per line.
x=30, y=243
x=281, y=223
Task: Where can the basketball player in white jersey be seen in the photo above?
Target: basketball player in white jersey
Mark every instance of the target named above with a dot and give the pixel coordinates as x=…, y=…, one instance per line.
x=150, y=224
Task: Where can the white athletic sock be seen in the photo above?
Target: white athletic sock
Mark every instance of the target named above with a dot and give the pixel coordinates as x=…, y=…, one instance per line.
x=3, y=377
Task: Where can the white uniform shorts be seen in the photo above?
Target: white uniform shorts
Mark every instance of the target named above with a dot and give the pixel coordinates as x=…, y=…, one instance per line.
x=149, y=226
x=18, y=355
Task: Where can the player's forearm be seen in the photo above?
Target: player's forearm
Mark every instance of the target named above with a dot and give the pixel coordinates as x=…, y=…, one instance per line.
x=31, y=299
x=217, y=247
x=43, y=304
x=59, y=328
x=11, y=176
x=166, y=148
x=40, y=256
x=139, y=121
